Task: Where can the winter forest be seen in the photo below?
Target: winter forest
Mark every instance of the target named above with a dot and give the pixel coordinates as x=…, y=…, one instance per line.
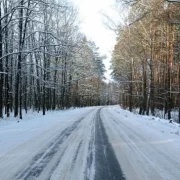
x=46, y=63
x=146, y=57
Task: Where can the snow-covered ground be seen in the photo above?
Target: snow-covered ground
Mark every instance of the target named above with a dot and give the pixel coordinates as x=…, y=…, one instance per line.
x=14, y=132
x=100, y=143
x=146, y=147
x=30, y=139
x=160, y=113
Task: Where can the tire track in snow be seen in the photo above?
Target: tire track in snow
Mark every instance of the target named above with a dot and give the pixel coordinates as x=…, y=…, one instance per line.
x=76, y=154
x=149, y=168
x=89, y=170
x=74, y=164
x=160, y=172
x=41, y=160
x=106, y=163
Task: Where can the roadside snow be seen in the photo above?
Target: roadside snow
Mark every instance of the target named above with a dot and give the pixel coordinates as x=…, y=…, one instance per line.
x=161, y=125
x=32, y=146
x=146, y=147
x=14, y=133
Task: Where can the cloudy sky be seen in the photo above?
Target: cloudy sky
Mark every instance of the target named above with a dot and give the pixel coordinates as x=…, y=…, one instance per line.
x=93, y=26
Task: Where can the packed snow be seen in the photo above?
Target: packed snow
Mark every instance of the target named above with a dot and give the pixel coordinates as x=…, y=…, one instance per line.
x=146, y=147
x=72, y=144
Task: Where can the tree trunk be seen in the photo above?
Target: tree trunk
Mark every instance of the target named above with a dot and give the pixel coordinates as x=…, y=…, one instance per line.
x=1, y=70
x=18, y=88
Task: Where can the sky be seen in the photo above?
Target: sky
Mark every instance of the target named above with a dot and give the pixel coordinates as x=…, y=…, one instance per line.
x=94, y=28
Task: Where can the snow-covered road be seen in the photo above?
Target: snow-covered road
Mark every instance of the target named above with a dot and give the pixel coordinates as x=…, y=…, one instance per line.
x=97, y=143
